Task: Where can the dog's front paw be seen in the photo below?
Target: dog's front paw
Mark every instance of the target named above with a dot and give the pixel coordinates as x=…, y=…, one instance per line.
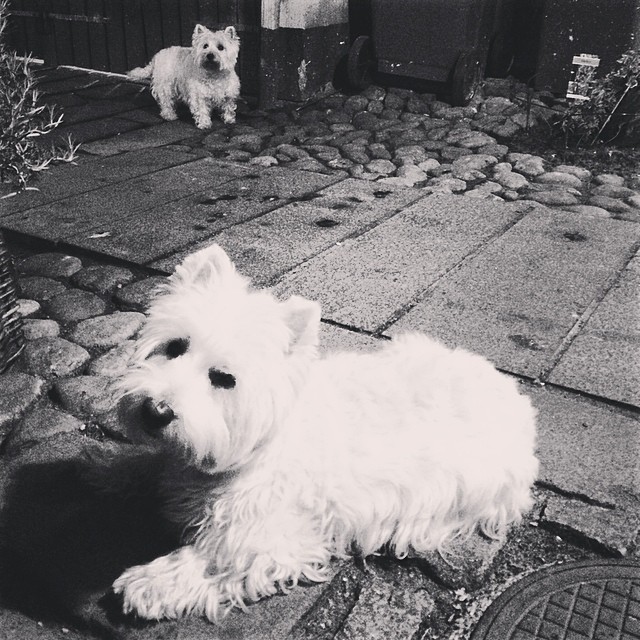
x=145, y=594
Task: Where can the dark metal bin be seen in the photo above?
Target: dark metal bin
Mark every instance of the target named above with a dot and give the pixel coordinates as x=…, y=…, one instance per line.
x=444, y=41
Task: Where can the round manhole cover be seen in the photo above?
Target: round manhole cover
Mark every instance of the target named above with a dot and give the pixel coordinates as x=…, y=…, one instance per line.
x=597, y=599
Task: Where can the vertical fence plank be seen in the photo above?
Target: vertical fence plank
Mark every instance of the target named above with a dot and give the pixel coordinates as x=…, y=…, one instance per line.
x=61, y=31
x=152, y=21
x=170, y=13
x=98, y=36
x=116, y=43
x=134, y=34
x=79, y=34
x=189, y=18
x=16, y=32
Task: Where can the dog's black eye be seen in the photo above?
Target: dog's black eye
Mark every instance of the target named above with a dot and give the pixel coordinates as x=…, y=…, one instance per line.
x=205, y=46
x=220, y=47
x=221, y=380
x=175, y=348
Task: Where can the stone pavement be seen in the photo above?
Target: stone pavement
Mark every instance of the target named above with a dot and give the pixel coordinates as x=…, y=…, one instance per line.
x=393, y=210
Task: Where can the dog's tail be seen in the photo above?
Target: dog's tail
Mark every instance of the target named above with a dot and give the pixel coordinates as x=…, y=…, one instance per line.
x=141, y=73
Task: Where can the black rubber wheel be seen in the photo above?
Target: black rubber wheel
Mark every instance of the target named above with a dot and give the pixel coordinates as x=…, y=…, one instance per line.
x=360, y=63
x=466, y=79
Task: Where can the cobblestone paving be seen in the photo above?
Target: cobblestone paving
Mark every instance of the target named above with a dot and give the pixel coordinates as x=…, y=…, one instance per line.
x=364, y=165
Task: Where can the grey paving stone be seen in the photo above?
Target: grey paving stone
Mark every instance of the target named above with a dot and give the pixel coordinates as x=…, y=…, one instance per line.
x=52, y=265
x=559, y=177
x=555, y=198
x=169, y=227
x=86, y=132
x=137, y=295
x=34, y=328
x=92, y=173
x=87, y=395
x=40, y=288
x=53, y=357
x=94, y=212
x=45, y=422
x=385, y=610
x=94, y=111
x=604, y=358
x=334, y=338
x=268, y=246
x=613, y=530
x=366, y=280
x=494, y=304
x=149, y=137
x=107, y=331
x=585, y=209
x=465, y=563
x=586, y=448
x=74, y=305
x=28, y=308
x=19, y=392
x=114, y=362
x=610, y=204
x=102, y=279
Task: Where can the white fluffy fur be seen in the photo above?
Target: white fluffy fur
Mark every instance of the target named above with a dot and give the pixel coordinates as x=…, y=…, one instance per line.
x=411, y=445
x=202, y=76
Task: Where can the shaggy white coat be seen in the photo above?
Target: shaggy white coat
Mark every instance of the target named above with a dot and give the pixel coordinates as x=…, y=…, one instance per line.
x=202, y=76
x=408, y=446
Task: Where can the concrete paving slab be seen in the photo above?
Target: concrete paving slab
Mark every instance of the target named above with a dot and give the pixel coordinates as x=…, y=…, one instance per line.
x=87, y=132
x=270, y=245
x=516, y=300
x=334, y=338
x=169, y=228
x=96, y=211
x=267, y=188
x=95, y=110
x=586, y=448
x=92, y=172
x=155, y=136
x=366, y=280
x=604, y=359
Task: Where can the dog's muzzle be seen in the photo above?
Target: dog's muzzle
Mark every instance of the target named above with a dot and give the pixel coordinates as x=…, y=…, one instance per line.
x=211, y=61
x=156, y=414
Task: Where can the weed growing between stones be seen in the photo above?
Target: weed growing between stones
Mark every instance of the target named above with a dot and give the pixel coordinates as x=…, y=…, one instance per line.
x=23, y=121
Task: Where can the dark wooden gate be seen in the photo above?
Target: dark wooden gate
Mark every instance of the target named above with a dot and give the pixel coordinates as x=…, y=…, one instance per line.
x=118, y=35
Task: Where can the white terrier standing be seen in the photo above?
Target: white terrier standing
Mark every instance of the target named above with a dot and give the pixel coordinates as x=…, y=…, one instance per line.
x=203, y=76
x=311, y=457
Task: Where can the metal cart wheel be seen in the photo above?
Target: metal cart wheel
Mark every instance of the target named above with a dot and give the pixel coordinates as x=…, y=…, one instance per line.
x=360, y=63
x=466, y=79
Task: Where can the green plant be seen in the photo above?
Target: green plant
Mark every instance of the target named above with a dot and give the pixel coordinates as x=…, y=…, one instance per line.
x=610, y=108
x=23, y=120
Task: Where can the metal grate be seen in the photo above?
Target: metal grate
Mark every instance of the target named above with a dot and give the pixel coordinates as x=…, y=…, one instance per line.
x=595, y=600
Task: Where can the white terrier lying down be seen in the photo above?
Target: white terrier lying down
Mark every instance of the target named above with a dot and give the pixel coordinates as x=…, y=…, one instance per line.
x=311, y=457
x=202, y=76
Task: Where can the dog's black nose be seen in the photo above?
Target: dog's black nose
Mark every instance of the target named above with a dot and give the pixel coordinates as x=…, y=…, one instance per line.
x=210, y=57
x=156, y=415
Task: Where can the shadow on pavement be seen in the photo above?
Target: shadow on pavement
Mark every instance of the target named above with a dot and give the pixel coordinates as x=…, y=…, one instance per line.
x=69, y=528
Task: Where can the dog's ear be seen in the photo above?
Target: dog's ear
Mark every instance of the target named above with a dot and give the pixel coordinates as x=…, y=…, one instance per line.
x=232, y=33
x=198, y=31
x=208, y=265
x=303, y=319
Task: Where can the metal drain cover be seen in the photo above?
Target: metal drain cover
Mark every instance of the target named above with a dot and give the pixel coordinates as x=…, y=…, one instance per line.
x=597, y=599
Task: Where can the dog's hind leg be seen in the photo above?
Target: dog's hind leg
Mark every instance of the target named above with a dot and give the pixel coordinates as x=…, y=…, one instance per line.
x=165, y=99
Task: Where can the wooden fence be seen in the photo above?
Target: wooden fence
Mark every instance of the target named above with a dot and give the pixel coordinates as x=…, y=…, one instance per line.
x=117, y=35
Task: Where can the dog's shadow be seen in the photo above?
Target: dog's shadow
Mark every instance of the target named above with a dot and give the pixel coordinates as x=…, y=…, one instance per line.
x=68, y=529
